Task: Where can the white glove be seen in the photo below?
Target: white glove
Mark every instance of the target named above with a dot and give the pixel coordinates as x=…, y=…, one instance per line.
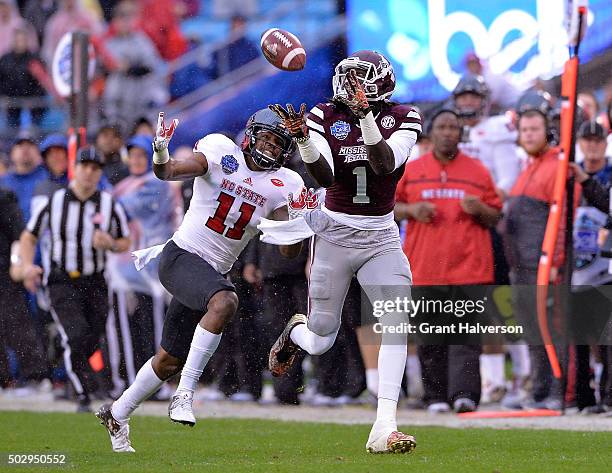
x=307, y=201
x=163, y=135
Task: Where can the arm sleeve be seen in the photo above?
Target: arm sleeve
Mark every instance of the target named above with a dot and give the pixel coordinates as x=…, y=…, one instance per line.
x=294, y=185
x=323, y=146
x=316, y=126
x=39, y=219
x=119, y=222
x=596, y=195
x=214, y=147
x=401, y=142
x=506, y=165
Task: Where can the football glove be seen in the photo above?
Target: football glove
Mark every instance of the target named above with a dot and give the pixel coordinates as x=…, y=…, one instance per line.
x=307, y=201
x=355, y=98
x=293, y=121
x=164, y=133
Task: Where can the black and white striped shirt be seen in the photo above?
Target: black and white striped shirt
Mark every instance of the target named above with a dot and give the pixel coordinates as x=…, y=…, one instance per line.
x=72, y=224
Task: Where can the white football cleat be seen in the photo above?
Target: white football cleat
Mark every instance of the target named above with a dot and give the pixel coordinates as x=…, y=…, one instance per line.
x=119, y=432
x=390, y=442
x=180, y=409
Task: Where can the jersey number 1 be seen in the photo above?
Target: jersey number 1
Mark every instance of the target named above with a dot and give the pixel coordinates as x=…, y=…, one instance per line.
x=361, y=197
x=217, y=221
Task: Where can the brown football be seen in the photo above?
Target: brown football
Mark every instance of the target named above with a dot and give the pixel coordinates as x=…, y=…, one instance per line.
x=283, y=49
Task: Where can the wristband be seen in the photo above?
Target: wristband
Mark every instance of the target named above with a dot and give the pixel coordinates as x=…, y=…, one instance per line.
x=161, y=156
x=308, y=151
x=369, y=130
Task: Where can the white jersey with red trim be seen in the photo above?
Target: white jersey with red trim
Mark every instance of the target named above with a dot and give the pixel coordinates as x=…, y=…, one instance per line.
x=493, y=142
x=229, y=201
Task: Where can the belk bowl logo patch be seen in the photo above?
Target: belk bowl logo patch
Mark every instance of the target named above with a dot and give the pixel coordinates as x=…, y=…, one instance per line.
x=229, y=164
x=387, y=122
x=340, y=129
x=277, y=182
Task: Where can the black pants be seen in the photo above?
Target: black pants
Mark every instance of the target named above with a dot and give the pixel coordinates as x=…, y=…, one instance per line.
x=450, y=371
x=284, y=296
x=243, y=349
x=18, y=332
x=524, y=305
x=79, y=307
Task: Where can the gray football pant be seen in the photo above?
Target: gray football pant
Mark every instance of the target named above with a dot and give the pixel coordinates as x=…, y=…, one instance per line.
x=384, y=273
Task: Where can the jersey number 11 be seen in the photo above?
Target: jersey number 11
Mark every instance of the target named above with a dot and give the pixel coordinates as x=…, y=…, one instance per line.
x=217, y=221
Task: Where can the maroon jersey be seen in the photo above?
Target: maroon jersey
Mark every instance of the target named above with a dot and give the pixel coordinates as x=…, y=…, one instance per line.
x=357, y=190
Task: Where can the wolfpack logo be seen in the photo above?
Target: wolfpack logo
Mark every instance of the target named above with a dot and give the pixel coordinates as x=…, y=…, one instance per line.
x=353, y=153
x=229, y=164
x=248, y=181
x=524, y=38
x=340, y=129
x=387, y=121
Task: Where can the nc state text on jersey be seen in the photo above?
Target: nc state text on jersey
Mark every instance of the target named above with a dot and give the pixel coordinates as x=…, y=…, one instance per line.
x=244, y=192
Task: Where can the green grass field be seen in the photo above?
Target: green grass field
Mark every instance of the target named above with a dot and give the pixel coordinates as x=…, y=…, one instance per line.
x=233, y=445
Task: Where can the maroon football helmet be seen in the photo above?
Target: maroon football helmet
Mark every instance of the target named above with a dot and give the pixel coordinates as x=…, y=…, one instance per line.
x=374, y=71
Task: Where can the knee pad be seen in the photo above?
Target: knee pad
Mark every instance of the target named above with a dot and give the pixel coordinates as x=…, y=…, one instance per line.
x=322, y=322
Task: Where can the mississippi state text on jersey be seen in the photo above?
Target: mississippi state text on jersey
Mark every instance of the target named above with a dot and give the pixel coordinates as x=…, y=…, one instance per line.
x=229, y=201
x=357, y=190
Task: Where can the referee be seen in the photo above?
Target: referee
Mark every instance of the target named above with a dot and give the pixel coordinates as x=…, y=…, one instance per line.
x=84, y=224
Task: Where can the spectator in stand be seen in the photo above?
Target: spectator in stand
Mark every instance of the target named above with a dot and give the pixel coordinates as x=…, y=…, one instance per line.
x=238, y=52
x=160, y=20
x=10, y=20
x=138, y=86
x=38, y=13
x=22, y=76
x=444, y=194
x=592, y=224
x=588, y=102
x=109, y=142
x=143, y=127
x=70, y=16
x=27, y=172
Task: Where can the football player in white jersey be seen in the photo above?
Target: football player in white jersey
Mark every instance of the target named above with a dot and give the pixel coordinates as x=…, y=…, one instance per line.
x=234, y=188
x=491, y=139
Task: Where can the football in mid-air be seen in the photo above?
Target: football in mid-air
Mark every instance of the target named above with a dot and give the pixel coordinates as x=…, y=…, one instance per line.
x=283, y=49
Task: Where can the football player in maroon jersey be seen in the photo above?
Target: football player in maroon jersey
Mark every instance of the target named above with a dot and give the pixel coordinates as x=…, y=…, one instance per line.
x=355, y=146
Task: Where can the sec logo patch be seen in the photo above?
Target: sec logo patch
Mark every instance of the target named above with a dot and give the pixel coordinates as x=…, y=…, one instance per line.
x=277, y=182
x=387, y=122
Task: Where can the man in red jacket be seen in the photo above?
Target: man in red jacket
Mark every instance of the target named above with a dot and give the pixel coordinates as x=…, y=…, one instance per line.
x=524, y=227
x=450, y=202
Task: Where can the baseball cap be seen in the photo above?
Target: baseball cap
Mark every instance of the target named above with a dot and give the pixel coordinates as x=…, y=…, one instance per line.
x=89, y=154
x=54, y=140
x=591, y=129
